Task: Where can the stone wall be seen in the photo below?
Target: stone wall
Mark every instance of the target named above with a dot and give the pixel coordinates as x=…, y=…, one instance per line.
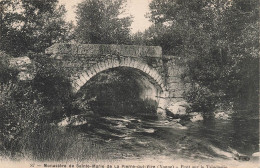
x=174, y=69
x=80, y=58
x=76, y=57
x=104, y=49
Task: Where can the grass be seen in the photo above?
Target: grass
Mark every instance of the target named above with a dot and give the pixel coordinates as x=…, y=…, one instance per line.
x=52, y=143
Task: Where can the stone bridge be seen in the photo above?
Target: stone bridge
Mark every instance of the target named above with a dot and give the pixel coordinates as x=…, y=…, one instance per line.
x=84, y=61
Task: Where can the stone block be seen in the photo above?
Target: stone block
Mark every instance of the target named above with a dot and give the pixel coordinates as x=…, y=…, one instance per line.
x=25, y=76
x=82, y=82
x=173, y=71
x=90, y=74
x=134, y=64
x=97, y=67
x=130, y=62
x=176, y=93
x=152, y=73
x=102, y=66
x=122, y=62
x=110, y=63
x=19, y=62
x=126, y=62
x=145, y=68
x=115, y=63
x=88, y=49
x=62, y=48
x=157, y=76
x=92, y=70
x=173, y=79
x=159, y=81
x=149, y=69
x=176, y=89
x=85, y=76
x=75, y=86
x=105, y=65
x=174, y=86
x=70, y=64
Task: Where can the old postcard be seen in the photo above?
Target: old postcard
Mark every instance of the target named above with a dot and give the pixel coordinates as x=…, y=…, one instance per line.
x=129, y=84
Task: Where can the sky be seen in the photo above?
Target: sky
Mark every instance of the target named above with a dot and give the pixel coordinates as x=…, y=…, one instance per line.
x=136, y=8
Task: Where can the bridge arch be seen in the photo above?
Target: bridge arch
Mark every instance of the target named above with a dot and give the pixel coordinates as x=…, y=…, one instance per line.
x=82, y=78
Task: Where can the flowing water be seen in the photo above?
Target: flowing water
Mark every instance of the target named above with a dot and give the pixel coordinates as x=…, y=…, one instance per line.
x=132, y=137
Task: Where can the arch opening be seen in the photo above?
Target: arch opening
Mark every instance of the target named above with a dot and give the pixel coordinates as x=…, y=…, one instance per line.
x=82, y=78
x=120, y=90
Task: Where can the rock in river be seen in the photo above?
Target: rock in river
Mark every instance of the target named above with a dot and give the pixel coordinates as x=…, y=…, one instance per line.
x=195, y=116
x=178, y=108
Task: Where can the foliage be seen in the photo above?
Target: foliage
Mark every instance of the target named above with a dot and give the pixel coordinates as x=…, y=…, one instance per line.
x=100, y=21
x=50, y=80
x=31, y=25
x=202, y=99
x=26, y=106
x=6, y=73
x=49, y=142
x=218, y=41
x=21, y=112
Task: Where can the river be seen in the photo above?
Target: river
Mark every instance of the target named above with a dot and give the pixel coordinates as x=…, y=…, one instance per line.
x=141, y=138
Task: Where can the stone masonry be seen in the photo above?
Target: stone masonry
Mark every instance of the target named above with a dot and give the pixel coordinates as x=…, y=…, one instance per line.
x=83, y=61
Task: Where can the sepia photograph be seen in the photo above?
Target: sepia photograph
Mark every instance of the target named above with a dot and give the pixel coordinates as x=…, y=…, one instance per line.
x=129, y=84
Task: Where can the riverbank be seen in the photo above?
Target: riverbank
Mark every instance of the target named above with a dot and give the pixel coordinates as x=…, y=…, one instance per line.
x=128, y=138
x=155, y=162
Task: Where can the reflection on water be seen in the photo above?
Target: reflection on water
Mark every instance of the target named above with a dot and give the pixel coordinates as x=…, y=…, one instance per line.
x=135, y=137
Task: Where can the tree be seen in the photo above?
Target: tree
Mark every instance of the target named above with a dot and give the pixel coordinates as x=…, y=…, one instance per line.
x=217, y=39
x=101, y=21
x=31, y=25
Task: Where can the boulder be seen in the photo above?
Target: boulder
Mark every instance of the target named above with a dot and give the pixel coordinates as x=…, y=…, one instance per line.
x=161, y=113
x=24, y=66
x=25, y=76
x=255, y=156
x=75, y=120
x=20, y=63
x=222, y=115
x=195, y=116
x=178, y=108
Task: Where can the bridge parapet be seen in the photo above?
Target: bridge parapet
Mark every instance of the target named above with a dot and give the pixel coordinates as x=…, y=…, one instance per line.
x=80, y=50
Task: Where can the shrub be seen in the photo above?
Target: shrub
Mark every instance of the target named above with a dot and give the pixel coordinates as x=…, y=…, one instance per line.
x=202, y=99
x=20, y=113
x=52, y=83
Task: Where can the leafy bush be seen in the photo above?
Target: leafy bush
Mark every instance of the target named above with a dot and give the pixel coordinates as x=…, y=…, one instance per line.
x=202, y=99
x=52, y=83
x=20, y=114
x=48, y=142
